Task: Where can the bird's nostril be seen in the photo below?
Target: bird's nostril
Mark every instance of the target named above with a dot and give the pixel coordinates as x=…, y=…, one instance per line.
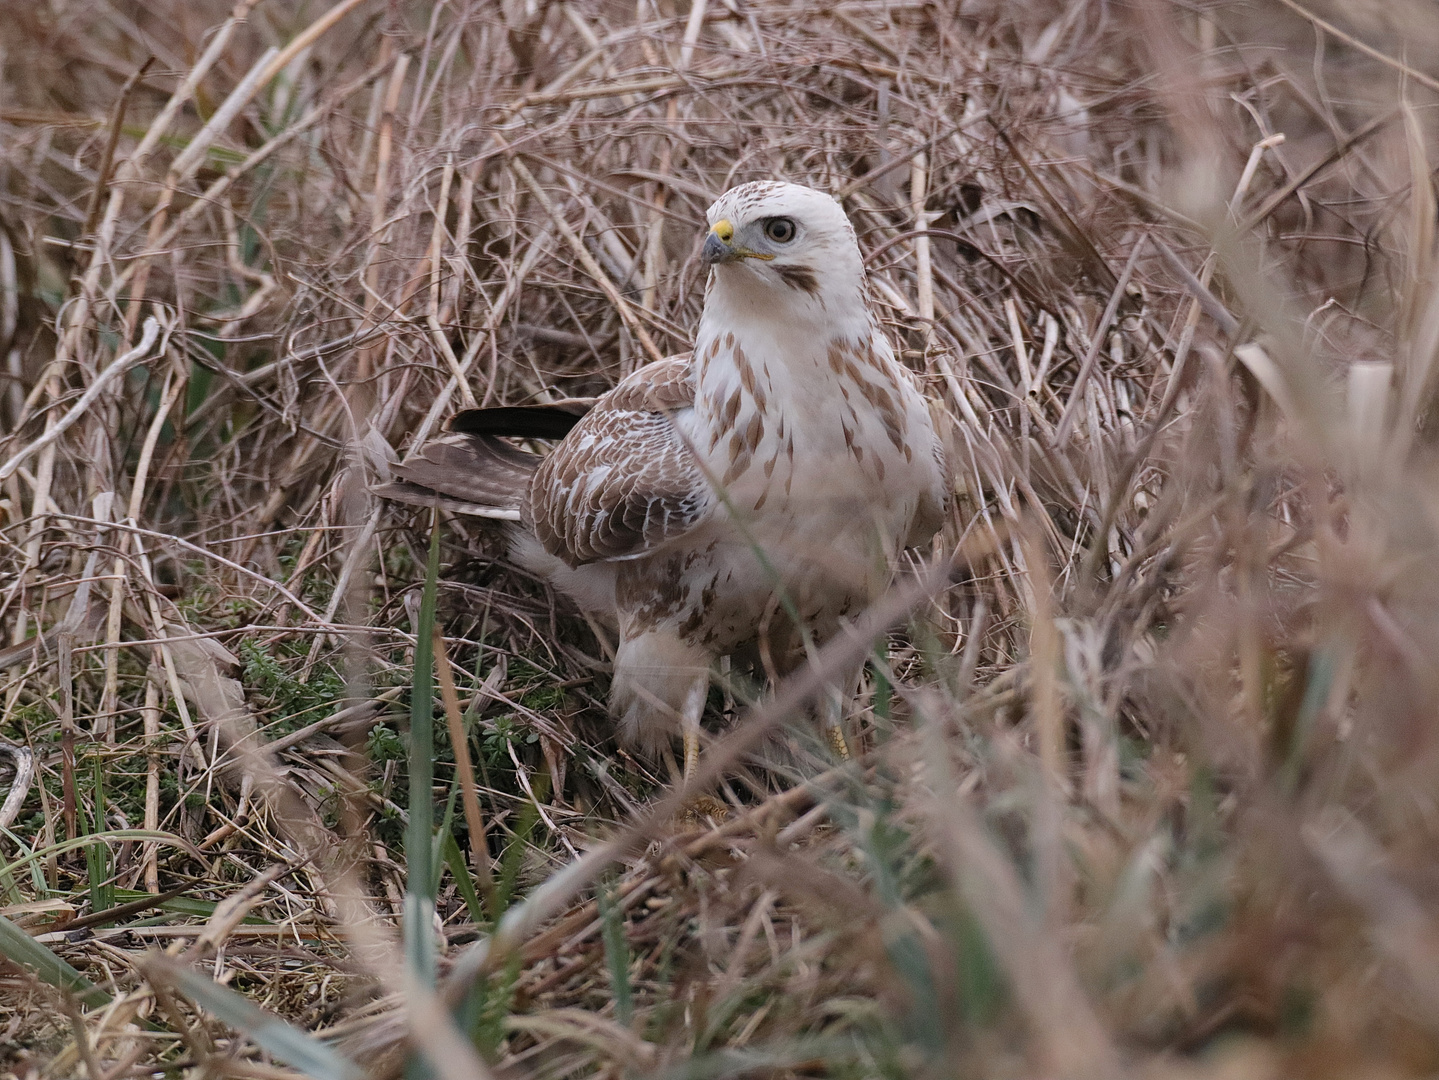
x=723, y=229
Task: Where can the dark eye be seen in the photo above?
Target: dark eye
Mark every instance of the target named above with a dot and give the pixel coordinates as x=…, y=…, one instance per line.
x=779, y=229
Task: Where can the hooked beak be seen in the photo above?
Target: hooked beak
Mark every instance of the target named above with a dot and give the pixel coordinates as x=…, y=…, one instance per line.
x=717, y=251
x=720, y=248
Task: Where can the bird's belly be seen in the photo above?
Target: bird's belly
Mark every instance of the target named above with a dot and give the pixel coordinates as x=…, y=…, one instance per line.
x=728, y=592
x=814, y=540
x=829, y=502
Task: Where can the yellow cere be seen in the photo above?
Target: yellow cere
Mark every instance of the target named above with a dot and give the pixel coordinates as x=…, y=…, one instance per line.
x=723, y=229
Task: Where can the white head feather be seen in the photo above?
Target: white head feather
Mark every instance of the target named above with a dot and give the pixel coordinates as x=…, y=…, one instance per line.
x=812, y=278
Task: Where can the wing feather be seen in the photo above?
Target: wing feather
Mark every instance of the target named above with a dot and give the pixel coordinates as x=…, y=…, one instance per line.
x=623, y=481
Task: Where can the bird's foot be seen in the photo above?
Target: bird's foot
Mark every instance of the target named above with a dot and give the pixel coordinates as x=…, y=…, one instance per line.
x=702, y=810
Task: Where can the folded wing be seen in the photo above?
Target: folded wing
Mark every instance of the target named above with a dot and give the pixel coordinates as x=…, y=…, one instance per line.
x=623, y=482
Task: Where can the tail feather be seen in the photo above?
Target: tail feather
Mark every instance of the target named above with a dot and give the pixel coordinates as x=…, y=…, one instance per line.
x=470, y=474
x=471, y=470
x=523, y=421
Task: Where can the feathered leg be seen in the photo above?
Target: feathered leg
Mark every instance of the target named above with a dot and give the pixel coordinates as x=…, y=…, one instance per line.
x=660, y=684
x=690, y=715
x=839, y=696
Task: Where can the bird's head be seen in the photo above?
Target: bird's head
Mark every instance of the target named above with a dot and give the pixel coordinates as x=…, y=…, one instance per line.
x=788, y=242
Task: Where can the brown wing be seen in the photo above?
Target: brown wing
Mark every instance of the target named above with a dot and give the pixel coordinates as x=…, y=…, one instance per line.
x=623, y=481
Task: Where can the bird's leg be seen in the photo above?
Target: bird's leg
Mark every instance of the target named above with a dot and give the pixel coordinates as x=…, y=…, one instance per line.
x=838, y=697
x=690, y=714
x=700, y=806
x=833, y=722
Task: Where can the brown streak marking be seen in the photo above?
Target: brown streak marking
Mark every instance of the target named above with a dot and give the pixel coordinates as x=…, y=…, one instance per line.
x=731, y=410
x=799, y=277
x=895, y=435
x=883, y=402
x=697, y=617
x=754, y=432
x=657, y=594
x=746, y=372
x=736, y=469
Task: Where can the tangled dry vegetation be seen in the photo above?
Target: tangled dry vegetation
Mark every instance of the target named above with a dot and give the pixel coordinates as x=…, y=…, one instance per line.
x=1150, y=760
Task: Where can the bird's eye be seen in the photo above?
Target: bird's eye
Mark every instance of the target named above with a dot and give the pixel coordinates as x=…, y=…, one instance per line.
x=779, y=229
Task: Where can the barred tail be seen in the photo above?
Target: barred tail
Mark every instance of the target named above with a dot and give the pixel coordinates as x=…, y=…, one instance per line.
x=478, y=475
x=472, y=470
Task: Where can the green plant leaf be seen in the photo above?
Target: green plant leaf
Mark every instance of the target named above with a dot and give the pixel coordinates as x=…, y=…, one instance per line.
x=455, y=860
x=419, y=858
x=97, y=856
x=39, y=855
x=617, y=952
x=284, y=1041
x=27, y=952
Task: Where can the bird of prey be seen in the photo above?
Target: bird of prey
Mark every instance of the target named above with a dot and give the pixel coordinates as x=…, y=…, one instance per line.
x=713, y=499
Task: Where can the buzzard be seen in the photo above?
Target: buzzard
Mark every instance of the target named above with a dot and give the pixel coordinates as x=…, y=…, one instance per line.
x=732, y=500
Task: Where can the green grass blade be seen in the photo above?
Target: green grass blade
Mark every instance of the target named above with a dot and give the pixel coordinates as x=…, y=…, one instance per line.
x=7, y=878
x=419, y=868
x=438, y=857
x=455, y=860
x=487, y=1004
x=24, y=950
x=283, y=1041
x=39, y=855
x=617, y=954
x=97, y=856
x=513, y=858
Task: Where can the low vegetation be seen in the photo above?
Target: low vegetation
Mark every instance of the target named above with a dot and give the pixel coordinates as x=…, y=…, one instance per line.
x=305, y=784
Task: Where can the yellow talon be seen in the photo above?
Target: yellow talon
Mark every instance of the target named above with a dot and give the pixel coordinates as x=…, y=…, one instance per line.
x=692, y=751
x=700, y=807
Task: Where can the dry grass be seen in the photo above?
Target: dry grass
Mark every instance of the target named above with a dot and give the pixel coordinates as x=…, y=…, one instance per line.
x=1149, y=781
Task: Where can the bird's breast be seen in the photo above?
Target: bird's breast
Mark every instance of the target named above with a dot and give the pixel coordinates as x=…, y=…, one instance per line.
x=822, y=443
x=821, y=461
